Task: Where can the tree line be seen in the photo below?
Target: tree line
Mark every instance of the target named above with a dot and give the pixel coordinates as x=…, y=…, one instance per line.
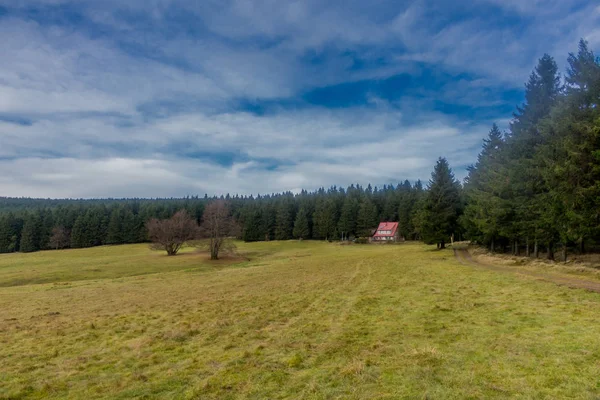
x=28, y=225
x=536, y=187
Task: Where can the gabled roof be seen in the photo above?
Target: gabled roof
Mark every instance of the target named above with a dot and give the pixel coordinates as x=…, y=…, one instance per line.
x=386, y=226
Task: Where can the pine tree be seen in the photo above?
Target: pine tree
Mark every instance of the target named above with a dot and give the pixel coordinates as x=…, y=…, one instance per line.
x=8, y=237
x=131, y=226
x=31, y=234
x=406, y=207
x=367, y=218
x=417, y=214
x=526, y=194
x=442, y=205
x=391, y=203
x=47, y=219
x=484, y=189
x=114, y=234
x=284, y=220
x=325, y=219
x=267, y=224
x=348, y=217
x=78, y=239
x=301, y=227
x=251, y=231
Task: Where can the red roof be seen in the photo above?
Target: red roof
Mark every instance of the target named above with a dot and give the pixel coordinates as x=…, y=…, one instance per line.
x=386, y=226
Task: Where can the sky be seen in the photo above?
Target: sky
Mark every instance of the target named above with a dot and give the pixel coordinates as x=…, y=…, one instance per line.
x=161, y=98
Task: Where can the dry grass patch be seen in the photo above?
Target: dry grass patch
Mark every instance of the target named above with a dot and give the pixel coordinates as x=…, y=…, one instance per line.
x=582, y=265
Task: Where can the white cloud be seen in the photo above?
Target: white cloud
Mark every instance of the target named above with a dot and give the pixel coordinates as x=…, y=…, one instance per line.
x=310, y=149
x=121, y=113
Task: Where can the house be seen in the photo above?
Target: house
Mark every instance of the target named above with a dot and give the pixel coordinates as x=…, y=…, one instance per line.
x=387, y=232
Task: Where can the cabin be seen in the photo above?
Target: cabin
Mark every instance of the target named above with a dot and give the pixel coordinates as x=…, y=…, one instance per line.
x=387, y=232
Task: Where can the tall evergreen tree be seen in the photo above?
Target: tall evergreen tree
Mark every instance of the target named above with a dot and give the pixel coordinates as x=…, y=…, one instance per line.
x=8, y=235
x=325, y=218
x=348, y=217
x=114, y=234
x=367, y=218
x=252, y=230
x=31, y=234
x=485, y=192
x=78, y=233
x=442, y=205
x=284, y=223
x=526, y=192
x=301, y=227
x=406, y=207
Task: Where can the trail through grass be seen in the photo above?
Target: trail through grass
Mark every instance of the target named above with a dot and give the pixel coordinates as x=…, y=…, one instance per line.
x=299, y=320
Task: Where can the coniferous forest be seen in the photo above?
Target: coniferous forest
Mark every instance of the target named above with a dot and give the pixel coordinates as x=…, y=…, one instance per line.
x=533, y=189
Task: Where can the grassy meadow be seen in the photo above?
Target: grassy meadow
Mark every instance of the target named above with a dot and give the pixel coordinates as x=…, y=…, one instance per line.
x=306, y=320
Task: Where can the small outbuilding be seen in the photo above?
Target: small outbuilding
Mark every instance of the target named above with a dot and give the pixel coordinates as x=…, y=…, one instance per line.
x=387, y=232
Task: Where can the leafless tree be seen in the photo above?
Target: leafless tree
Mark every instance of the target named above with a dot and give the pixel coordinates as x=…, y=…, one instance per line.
x=60, y=238
x=171, y=234
x=217, y=226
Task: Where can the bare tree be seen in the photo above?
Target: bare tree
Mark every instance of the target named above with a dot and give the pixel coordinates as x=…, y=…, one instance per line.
x=60, y=238
x=171, y=234
x=217, y=226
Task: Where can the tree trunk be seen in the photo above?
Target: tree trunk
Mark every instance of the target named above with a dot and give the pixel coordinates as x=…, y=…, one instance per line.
x=516, y=248
x=214, y=249
x=492, y=247
x=442, y=245
x=536, y=250
x=581, y=245
x=550, y=251
x=438, y=245
x=527, y=250
x=563, y=254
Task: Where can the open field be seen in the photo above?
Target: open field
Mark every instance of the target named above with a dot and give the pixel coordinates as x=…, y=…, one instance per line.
x=299, y=320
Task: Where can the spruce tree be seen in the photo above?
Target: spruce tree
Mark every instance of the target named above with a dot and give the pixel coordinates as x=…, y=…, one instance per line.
x=31, y=234
x=8, y=235
x=406, y=205
x=283, y=220
x=78, y=232
x=251, y=231
x=114, y=234
x=442, y=205
x=484, y=189
x=367, y=218
x=131, y=226
x=348, y=217
x=301, y=227
x=526, y=194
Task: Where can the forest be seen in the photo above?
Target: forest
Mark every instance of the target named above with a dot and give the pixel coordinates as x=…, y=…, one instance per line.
x=533, y=188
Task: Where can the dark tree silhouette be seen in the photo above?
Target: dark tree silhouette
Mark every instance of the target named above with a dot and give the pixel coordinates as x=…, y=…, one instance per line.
x=59, y=238
x=171, y=234
x=217, y=226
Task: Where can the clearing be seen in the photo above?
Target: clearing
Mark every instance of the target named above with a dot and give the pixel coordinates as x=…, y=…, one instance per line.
x=295, y=320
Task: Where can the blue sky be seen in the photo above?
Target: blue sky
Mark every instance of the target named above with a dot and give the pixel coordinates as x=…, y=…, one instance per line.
x=169, y=98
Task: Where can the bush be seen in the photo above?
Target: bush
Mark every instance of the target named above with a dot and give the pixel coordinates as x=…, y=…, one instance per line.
x=362, y=240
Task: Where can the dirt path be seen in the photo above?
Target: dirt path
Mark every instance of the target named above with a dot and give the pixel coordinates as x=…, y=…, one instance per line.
x=464, y=257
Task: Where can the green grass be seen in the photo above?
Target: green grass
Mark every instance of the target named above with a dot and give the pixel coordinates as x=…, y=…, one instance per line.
x=299, y=320
x=95, y=263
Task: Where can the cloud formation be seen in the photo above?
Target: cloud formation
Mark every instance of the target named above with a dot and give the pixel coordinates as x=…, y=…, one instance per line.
x=170, y=98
